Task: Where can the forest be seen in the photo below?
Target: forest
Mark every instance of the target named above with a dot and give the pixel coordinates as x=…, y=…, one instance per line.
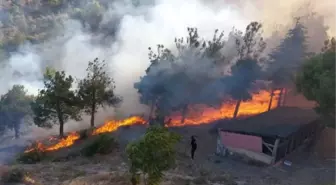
x=194, y=71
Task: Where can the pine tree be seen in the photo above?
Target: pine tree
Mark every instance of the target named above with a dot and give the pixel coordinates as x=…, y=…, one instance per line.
x=287, y=58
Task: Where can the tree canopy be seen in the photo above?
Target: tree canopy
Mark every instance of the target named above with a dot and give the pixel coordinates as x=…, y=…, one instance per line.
x=153, y=154
x=57, y=102
x=14, y=106
x=287, y=58
x=97, y=89
x=175, y=80
x=316, y=80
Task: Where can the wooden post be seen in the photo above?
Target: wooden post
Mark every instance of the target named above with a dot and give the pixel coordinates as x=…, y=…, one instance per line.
x=275, y=149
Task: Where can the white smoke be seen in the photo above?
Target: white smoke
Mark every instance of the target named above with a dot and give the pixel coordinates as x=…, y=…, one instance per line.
x=140, y=27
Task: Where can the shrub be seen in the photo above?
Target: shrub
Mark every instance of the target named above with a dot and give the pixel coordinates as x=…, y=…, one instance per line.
x=35, y=155
x=153, y=154
x=84, y=134
x=14, y=175
x=103, y=144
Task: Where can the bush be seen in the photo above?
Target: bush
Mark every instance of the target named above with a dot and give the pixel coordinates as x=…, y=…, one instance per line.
x=34, y=156
x=84, y=134
x=153, y=154
x=14, y=175
x=103, y=144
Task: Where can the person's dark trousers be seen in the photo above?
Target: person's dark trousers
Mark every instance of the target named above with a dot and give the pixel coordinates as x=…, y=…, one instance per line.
x=193, y=152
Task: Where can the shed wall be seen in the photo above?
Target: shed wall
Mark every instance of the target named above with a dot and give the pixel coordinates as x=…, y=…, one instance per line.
x=247, y=142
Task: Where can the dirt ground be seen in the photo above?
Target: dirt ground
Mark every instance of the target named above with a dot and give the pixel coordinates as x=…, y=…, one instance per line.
x=306, y=169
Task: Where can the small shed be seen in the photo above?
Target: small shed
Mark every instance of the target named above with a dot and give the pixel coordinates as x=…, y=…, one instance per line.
x=269, y=136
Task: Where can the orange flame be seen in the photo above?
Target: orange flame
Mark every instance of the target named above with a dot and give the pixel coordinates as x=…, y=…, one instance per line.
x=70, y=139
x=258, y=104
x=199, y=114
x=113, y=125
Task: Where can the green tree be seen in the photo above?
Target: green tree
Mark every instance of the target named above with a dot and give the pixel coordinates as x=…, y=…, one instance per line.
x=14, y=106
x=153, y=154
x=97, y=89
x=56, y=102
x=316, y=80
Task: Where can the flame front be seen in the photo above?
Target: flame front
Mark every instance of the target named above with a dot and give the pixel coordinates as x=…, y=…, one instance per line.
x=113, y=125
x=70, y=139
x=201, y=114
x=258, y=104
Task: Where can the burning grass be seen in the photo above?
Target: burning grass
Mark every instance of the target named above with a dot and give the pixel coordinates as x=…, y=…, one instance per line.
x=35, y=154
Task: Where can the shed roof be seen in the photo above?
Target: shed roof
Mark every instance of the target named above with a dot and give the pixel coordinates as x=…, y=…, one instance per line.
x=280, y=122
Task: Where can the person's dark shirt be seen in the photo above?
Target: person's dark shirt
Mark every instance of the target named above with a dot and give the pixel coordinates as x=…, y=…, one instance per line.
x=193, y=143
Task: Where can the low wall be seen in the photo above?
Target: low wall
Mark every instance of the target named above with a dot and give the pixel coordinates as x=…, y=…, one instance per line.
x=247, y=142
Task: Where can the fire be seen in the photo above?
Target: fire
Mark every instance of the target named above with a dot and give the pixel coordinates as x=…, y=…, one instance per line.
x=198, y=114
x=113, y=125
x=201, y=114
x=70, y=139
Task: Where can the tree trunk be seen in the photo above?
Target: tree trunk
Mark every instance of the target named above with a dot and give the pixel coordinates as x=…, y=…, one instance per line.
x=60, y=119
x=61, y=128
x=93, y=108
x=17, y=129
x=235, y=114
x=280, y=97
x=93, y=116
x=271, y=100
x=184, y=113
x=284, y=97
x=151, y=111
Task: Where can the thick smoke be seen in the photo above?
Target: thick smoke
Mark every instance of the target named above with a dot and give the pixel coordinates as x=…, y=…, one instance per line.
x=128, y=31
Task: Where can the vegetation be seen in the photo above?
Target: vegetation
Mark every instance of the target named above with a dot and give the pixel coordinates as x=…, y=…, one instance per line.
x=175, y=81
x=56, y=103
x=15, y=175
x=287, y=58
x=34, y=156
x=246, y=70
x=97, y=89
x=316, y=80
x=14, y=106
x=152, y=155
x=103, y=144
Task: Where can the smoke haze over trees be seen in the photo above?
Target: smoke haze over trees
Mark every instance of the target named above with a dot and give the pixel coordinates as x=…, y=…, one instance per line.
x=66, y=34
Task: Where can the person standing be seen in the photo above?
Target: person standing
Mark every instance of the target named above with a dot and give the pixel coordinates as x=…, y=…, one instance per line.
x=193, y=147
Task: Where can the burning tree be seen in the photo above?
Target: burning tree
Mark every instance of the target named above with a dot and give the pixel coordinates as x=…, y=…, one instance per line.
x=172, y=82
x=246, y=70
x=56, y=102
x=287, y=58
x=197, y=73
x=97, y=89
x=14, y=106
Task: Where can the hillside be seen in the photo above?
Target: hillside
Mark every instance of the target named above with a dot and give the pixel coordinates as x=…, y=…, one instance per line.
x=36, y=21
x=65, y=169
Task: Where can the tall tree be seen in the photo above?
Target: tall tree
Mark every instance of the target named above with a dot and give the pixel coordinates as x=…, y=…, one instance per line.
x=56, y=103
x=172, y=82
x=14, y=106
x=246, y=70
x=287, y=58
x=316, y=80
x=97, y=89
